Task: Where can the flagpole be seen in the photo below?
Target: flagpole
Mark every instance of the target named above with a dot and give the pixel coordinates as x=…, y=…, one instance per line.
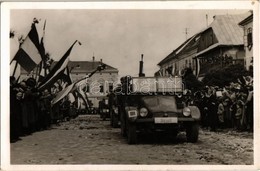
x=37, y=68
x=57, y=69
x=38, y=72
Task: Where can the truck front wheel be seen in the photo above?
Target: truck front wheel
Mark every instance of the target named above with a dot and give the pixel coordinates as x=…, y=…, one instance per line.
x=192, y=132
x=115, y=121
x=131, y=134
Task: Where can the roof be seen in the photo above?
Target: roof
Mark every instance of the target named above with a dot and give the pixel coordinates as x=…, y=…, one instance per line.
x=87, y=66
x=247, y=20
x=175, y=52
x=188, y=44
x=227, y=30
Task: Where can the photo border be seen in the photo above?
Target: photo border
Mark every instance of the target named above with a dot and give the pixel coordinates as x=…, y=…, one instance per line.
x=211, y=5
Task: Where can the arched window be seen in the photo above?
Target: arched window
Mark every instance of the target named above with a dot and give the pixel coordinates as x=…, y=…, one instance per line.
x=101, y=85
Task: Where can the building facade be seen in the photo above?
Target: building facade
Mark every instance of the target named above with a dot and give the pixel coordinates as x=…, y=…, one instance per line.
x=180, y=58
x=96, y=87
x=219, y=45
x=247, y=25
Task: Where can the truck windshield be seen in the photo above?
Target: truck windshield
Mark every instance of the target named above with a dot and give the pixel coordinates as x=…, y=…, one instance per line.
x=160, y=103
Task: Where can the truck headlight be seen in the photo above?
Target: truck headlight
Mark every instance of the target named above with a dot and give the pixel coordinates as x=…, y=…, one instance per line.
x=143, y=112
x=186, y=111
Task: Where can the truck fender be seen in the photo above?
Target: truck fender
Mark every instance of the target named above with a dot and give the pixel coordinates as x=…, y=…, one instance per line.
x=195, y=112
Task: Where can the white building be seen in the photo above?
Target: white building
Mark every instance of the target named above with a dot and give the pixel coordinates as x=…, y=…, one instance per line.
x=247, y=25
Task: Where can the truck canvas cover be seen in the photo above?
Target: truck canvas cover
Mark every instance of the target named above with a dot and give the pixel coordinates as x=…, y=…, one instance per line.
x=157, y=84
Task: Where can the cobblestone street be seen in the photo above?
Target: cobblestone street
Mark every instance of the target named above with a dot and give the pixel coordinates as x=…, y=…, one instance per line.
x=89, y=140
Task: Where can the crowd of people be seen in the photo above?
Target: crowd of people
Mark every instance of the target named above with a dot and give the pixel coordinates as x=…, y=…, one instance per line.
x=227, y=107
x=31, y=110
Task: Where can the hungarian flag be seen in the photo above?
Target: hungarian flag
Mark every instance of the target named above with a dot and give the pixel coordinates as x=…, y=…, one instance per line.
x=28, y=55
x=197, y=67
x=60, y=95
x=43, y=71
x=66, y=78
x=57, y=71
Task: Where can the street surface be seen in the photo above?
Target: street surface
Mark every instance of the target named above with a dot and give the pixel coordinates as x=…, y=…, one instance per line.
x=89, y=140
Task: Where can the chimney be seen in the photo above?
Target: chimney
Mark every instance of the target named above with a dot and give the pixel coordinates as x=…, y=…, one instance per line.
x=93, y=58
x=101, y=60
x=141, y=74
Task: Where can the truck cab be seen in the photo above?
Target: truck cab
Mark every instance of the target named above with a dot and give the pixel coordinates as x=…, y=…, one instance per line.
x=144, y=104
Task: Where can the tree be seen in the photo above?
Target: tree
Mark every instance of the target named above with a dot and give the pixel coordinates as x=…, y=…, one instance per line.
x=224, y=76
x=190, y=80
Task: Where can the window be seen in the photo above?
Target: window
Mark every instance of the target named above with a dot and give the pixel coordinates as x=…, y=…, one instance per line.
x=249, y=38
x=110, y=86
x=101, y=88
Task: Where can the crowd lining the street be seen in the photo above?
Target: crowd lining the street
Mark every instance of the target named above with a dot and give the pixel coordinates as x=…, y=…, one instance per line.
x=31, y=110
x=227, y=107
x=221, y=108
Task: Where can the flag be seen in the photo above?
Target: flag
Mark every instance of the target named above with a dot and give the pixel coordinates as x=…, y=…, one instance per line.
x=198, y=67
x=66, y=76
x=57, y=71
x=42, y=48
x=43, y=70
x=71, y=88
x=62, y=94
x=28, y=55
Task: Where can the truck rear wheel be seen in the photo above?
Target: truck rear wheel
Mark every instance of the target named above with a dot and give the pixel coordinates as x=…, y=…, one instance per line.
x=131, y=134
x=114, y=121
x=111, y=117
x=192, y=132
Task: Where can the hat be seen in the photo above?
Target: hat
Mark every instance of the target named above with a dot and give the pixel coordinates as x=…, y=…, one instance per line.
x=30, y=82
x=23, y=85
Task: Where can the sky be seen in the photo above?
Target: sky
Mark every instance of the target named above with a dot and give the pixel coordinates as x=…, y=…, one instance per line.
x=117, y=36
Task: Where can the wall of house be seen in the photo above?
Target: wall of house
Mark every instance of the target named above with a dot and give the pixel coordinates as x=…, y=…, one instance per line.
x=207, y=39
x=248, y=51
x=186, y=59
x=237, y=53
x=98, y=86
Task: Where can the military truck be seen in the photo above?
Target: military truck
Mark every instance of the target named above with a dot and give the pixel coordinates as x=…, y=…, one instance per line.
x=145, y=104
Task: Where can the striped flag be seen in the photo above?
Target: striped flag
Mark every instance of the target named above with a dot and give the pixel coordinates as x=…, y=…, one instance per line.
x=28, y=55
x=72, y=87
x=66, y=77
x=57, y=71
x=42, y=48
x=43, y=70
x=198, y=67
